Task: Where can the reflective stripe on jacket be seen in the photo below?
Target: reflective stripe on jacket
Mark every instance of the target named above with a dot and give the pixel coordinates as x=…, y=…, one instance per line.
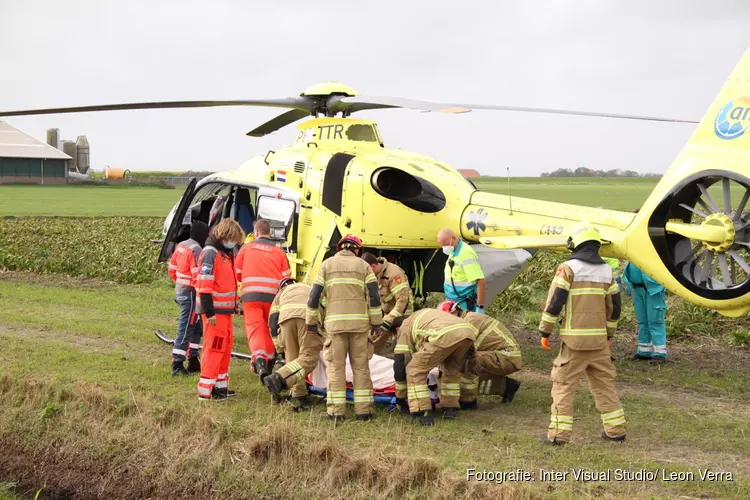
x=396, y=298
x=216, y=276
x=466, y=272
x=183, y=266
x=289, y=303
x=586, y=292
x=436, y=327
x=261, y=266
x=492, y=335
x=349, y=288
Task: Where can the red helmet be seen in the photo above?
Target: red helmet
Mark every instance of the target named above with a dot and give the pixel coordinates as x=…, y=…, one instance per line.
x=351, y=240
x=449, y=306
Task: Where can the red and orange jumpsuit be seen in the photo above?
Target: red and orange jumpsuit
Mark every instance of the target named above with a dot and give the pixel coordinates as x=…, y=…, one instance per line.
x=261, y=266
x=217, y=297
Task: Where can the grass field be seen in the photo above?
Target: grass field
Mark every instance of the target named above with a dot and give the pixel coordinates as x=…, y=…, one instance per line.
x=89, y=201
x=87, y=398
x=88, y=409
x=86, y=201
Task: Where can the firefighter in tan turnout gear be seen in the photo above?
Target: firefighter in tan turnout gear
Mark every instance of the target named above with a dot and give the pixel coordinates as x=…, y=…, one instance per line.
x=350, y=291
x=301, y=348
x=433, y=338
x=585, y=293
x=497, y=355
x=395, y=297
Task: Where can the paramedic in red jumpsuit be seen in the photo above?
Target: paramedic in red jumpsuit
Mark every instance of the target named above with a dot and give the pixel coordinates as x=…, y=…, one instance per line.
x=261, y=266
x=217, y=302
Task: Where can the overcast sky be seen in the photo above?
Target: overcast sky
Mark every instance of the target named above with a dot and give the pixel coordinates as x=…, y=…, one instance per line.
x=649, y=57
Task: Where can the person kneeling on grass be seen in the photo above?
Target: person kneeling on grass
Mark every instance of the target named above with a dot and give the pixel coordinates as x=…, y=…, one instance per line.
x=433, y=338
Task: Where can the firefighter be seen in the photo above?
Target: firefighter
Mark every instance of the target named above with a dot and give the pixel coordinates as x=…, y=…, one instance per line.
x=217, y=301
x=497, y=355
x=350, y=291
x=395, y=297
x=433, y=338
x=183, y=269
x=585, y=293
x=301, y=348
x=261, y=266
x=464, y=280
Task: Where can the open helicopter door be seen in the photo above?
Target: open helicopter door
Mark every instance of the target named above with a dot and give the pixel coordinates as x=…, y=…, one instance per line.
x=501, y=267
x=180, y=217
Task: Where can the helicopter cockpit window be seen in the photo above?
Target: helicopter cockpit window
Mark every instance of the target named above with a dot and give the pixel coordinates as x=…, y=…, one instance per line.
x=278, y=212
x=359, y=132
x=208, y=203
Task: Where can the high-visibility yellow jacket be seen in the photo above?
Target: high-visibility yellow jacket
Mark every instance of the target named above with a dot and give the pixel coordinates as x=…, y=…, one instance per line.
x=395, y=295
x=589, y=295
x=350, y=290
x=289, y=303
x=492, y=335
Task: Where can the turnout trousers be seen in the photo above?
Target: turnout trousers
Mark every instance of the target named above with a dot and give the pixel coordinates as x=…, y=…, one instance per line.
x=650, y=310
x=567, y=370
x=259, y=341
x=187, y=342
x=449, y=359
x=356, y=346
x=301, y=352
x=217, y=353
x=488, y=364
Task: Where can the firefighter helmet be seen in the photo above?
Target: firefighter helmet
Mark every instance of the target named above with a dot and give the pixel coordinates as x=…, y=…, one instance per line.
x=350, y=241
x=286, y=281
x=449, y=306
x=581, y=233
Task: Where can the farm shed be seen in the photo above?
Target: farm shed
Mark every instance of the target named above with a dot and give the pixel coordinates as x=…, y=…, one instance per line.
x=25, y=159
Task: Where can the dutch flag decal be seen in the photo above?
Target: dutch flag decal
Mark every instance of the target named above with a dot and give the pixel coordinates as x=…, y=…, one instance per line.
x=281, y=175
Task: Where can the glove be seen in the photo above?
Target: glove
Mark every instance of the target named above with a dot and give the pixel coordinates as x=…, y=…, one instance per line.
x=385, y=326
x=479, y=309
x=403, y=405
x=313, y=329
x=545, y=343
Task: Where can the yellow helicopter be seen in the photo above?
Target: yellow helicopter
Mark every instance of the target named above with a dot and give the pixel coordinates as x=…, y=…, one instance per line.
x=692, y=234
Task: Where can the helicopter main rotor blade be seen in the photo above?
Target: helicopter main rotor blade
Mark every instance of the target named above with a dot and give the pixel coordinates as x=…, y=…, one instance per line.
x=298, y=103
x=280, y=121
x=360, y=103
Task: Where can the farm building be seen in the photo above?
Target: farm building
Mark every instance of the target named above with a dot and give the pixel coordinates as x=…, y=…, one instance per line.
x=469, y=173
x=26, y=159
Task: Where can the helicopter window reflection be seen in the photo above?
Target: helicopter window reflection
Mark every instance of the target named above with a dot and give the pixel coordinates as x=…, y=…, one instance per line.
x=278, y=212
x=361, y=133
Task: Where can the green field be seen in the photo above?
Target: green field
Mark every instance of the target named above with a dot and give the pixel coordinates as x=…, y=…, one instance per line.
x=86, y=201
x=88, y=409
x=612, y=193
x=89, y=201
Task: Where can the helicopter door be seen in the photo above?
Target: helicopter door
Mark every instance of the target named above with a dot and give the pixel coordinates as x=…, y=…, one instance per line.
x=279, y=212
x=180, y=218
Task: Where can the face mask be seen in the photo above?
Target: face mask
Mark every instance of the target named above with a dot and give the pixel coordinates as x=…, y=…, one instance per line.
x=448, y=249
x=230, y=245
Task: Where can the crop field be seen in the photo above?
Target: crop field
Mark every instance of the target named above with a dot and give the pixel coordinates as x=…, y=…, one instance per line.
x=88, y=408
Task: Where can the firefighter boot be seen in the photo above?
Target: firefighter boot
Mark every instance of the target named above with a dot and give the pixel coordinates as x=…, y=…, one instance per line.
x=365, y=417
x=178, y=369
x=424, y=417
x=450, y=413
x=194, y=365
x=554, y=442
x=260, y=367
x=469, y=405
x=618, y=439
x=511, y=387
x=275, y=383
